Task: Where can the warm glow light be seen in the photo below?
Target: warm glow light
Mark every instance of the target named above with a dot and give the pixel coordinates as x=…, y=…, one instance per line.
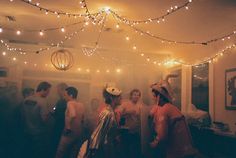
x=118, y=70
x=25, y=62
x=148, y=59
x=142, y=54
x=63, y=29
x=18, y=32
x=41, y=33
x=14, y=58
x=134, y=47
x=35, y=65
x=87, y=23
x=4, y=53
x=79, y=69
x=107, y=71
x=87, y=70
x=107, y=10
x=117, y=26
x=127, y=38
x=98, y=71
x=1, y=30
x=37, y=4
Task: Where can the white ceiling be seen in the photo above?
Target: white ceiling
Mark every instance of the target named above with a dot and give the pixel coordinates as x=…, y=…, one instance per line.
x=205, y=20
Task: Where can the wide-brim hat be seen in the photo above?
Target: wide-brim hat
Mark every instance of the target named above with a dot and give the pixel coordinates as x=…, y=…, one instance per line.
x=162, y=90
x=113, y=91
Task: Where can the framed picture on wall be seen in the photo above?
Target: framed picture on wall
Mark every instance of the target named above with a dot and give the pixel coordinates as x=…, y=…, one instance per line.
x=230, y=89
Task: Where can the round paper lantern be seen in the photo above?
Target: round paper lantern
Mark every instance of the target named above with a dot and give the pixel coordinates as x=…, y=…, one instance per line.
x=62, y=59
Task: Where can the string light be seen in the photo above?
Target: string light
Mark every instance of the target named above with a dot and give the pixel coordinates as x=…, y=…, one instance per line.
x=1, y=30
x=59, y=13
x=41, y=33
x=117, y=26
x=170, y=41
x=18, y=32
x=4, y=53
x=151, y=20
x=14, y=58
x=62, y=29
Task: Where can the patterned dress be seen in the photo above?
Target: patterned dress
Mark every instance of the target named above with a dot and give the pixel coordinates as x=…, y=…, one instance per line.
x=102, y=143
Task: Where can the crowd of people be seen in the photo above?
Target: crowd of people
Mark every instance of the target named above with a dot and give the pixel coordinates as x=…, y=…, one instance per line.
x=111, y=129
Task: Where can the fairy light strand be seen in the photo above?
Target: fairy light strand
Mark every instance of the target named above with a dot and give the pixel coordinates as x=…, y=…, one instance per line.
x=90, y=52
x=59, y=13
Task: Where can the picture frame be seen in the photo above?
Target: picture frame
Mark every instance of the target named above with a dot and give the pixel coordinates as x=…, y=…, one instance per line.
x=230, y=89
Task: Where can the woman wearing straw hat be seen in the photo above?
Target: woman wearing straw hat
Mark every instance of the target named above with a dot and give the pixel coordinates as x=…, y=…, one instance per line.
x=172, y=134
x=103, y=140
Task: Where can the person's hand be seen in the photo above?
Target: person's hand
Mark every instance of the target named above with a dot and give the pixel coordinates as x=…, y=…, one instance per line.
x=67, y=132
x=154, y=143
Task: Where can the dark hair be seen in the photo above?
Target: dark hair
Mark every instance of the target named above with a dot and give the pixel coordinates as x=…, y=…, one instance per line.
x=162, y=97
x=108, y=97
x=72, y=91
x=133, y=91
x=43, y=86
x=27, y=91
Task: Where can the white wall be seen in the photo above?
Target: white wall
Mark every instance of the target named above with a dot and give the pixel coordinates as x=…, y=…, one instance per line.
x=217, y=108
x=220, y=113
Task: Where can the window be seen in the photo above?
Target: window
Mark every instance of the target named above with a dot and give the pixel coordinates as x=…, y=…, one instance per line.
x=200, y=86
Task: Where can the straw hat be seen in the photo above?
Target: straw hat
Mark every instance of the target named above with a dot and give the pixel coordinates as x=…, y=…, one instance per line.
x=113, y=91
x=162, y=90
x=163, y=87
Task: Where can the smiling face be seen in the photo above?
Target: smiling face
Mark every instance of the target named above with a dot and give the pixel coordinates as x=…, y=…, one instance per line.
x=135, y=96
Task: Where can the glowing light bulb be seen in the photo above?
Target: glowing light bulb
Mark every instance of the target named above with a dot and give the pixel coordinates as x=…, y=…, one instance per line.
x=186, y=7
x=107, y=71
x=79, y=69
x=134, y=47
x=107, y=10
x=117, y=26
x=41, y=33
x=1, y=30
x=14, y=58
x=18, y=32
x=87, y=23
x=127, y=38
x=25, y=62
x=37, y=4
x=118, y=70
x=142, y=54
x=4, y=53
x=63, y=29
x=87, y=70
x=98, y=71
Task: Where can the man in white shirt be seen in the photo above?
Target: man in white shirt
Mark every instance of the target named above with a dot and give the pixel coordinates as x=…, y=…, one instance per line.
x=35, y=118
x=74, y=124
